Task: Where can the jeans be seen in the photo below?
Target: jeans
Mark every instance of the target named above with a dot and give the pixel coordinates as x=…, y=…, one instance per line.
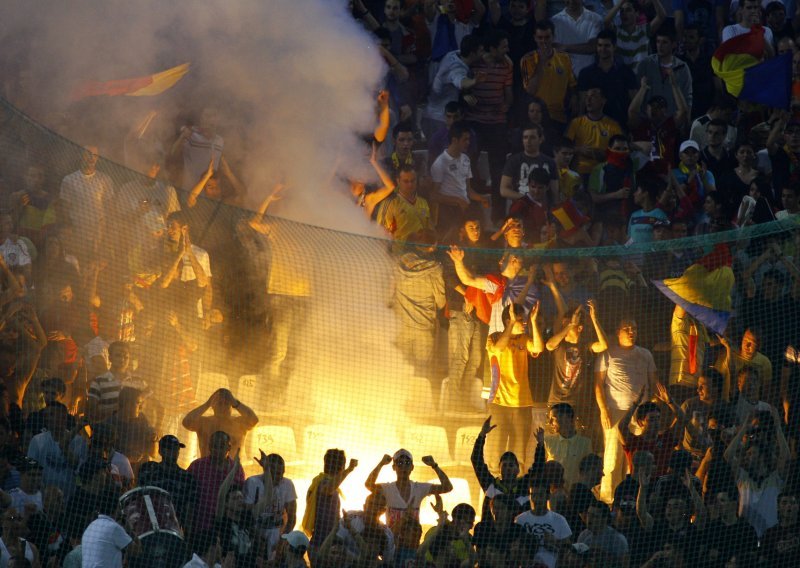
x=287, y=314
x=416, y=345
x=465, y=350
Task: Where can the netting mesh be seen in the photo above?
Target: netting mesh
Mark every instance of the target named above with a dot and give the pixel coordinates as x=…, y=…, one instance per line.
x=146, y=306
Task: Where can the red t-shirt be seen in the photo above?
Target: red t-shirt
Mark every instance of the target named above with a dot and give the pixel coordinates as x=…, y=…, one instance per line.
x=661, y=447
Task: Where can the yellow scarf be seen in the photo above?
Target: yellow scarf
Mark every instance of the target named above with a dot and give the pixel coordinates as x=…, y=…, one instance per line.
x=310, y=515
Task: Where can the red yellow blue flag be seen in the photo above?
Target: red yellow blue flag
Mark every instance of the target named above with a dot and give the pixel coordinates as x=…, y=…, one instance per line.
x=147, y=86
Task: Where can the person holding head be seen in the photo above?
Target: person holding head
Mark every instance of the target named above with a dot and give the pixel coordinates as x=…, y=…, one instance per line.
x=222, y=404
x=547, y=74
x=322, y=499
x=550, y=529
x=509, y=483
x=510, y=397
x=404, y=494
x=566, y=446
x=280, y=502
x=452, y=186
x=623, y=373
x=169, y=476
x=209, y=472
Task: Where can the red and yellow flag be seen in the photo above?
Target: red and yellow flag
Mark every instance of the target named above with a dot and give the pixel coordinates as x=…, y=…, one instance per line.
x=147, y=86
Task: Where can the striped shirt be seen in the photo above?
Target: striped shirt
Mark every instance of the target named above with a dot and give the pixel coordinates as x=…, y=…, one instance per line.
x=634, y=46
x=105, y=389
x=490, y=93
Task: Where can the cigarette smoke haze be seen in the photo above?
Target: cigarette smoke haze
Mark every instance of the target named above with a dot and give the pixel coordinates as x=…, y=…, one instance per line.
x=294, y=81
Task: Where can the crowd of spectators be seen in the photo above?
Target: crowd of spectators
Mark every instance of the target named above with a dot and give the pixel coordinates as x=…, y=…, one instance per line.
x=505, y=128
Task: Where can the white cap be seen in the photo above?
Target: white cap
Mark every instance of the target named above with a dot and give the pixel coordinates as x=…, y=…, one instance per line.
x=296, y=539
x=689, y=144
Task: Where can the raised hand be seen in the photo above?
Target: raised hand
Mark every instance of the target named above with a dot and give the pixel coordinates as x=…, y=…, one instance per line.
x=429, y=461
x=456, y=253
x=487, y=426
x=386, y=459
x=662, y=393
x=539, y=434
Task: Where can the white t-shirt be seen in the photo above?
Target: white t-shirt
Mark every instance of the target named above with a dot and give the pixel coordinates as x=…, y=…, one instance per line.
x=452, y=173
x=537, y=525
x=197, y=152
x=734, y=30
x=283, y=494
x=571, y=31
x=19, y=499
x=103, y=542
x=396, y=505
x=85, y=197
x=627, y=371
x=15, y=253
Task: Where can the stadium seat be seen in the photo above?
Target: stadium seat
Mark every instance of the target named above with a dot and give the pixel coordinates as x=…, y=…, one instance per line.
x=460, y=494
x=317, y=439
x=248, y=392
x=423, y=440
x=465, y=440
x=273, y=440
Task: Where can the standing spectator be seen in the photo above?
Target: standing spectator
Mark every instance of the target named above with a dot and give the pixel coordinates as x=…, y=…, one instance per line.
x=171, y=477
x=750, y=17
x=532, y=208
x=604, y=542
x=717, y=158
x=730, y=535
x=566, y=445
x=550, y=529
x=104, y=540
x=592, y=131
x=405, y=495
x=582, y=492
x=510, y=397
x=783, y=147
x=666, y=74
x=489, y=102
x=633, y=34
x=547, y=74
x=209, y=472
x=612, y=181
x=780, y=543
x=642, y=221
x=51, y=450
x=222, y=404
x=103, y=399
x=612, y=76
x=622, y=373
x=576, y=31
x=518, y=23
x=278, y=515
x=27, y=498
x=697, y=55
x=721, y=109
x=85, y=197
x=406, y=212
x=136, y=438
x=518, y=167
x=692, y=176
x=732, y=362
x=700, y=411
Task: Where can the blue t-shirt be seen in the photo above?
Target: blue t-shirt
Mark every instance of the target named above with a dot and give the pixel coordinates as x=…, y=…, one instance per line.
x=640, y=226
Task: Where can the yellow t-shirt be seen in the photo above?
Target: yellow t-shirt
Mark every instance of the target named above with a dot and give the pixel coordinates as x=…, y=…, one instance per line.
x=556, y=81
x=403, y=218
x=569, y=181
x=595, y=133
x=510, y=373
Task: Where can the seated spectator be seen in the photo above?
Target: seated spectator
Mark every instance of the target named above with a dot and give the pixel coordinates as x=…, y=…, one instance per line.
x=404, y=494
x=730, y=536
x=169, y=476
x=780, y=543
x=209, y=472
x=222, y=404
x=603, y=541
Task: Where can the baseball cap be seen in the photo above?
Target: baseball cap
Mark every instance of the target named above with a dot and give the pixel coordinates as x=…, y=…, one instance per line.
x=402, y=453
x=689, y=144
x=296, y=539
x=170, y=440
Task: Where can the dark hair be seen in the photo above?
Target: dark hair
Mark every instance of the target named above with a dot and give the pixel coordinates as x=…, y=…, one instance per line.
x=610, y=35
x=518, y=309
x=715, y=379
x=402, y=127
x=55, y=382
x=108, y=500
x=493, y=39
x=118, y=345
x=509, y=456
x=531, y=126
x=546, y=24
x=653, y=186
x=563, y=143
x=717, y=122
x=406, y=168
x=589, y=461
x=469, y=45
x=680, y=461
x=334, y=461
x=646, y=408
x=453, y=106
x=618, y=138
x=539, y=176
x=458, y=129
x=201, y=541
x=694, y=26
x=563, y=408
x=602, y=507
x=774, y=6
x=180, y=217
x=668, y=32
x=463, y=511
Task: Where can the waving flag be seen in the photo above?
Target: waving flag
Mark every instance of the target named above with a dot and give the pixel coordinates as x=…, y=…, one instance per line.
x=148, y=86
x=704, y=289
x=738, y=62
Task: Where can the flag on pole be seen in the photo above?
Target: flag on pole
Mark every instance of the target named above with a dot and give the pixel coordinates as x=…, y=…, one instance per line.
x=147, y=86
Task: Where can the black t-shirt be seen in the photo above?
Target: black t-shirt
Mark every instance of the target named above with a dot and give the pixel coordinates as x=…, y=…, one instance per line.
x=571, y=376
x=181, y=485
x=780, y=546
x=721, y=542
x=519, y=166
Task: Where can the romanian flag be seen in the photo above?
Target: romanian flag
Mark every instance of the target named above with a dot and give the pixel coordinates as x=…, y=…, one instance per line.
x=704, y=289
x=738, y=62
x=147, y=86
x=569, y=217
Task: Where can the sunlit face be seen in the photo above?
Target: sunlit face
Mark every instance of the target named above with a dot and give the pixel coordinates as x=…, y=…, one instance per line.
x=531, y=141
x=561, y=274
x=174, y=231
x=749, y=345
x=514, y=266
x=627, y=334
x=212, y=189
x=407, y=183
x=705, y=391
x=403, y=143
x=89, y=159
x=473, y=231
x=120, y=359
